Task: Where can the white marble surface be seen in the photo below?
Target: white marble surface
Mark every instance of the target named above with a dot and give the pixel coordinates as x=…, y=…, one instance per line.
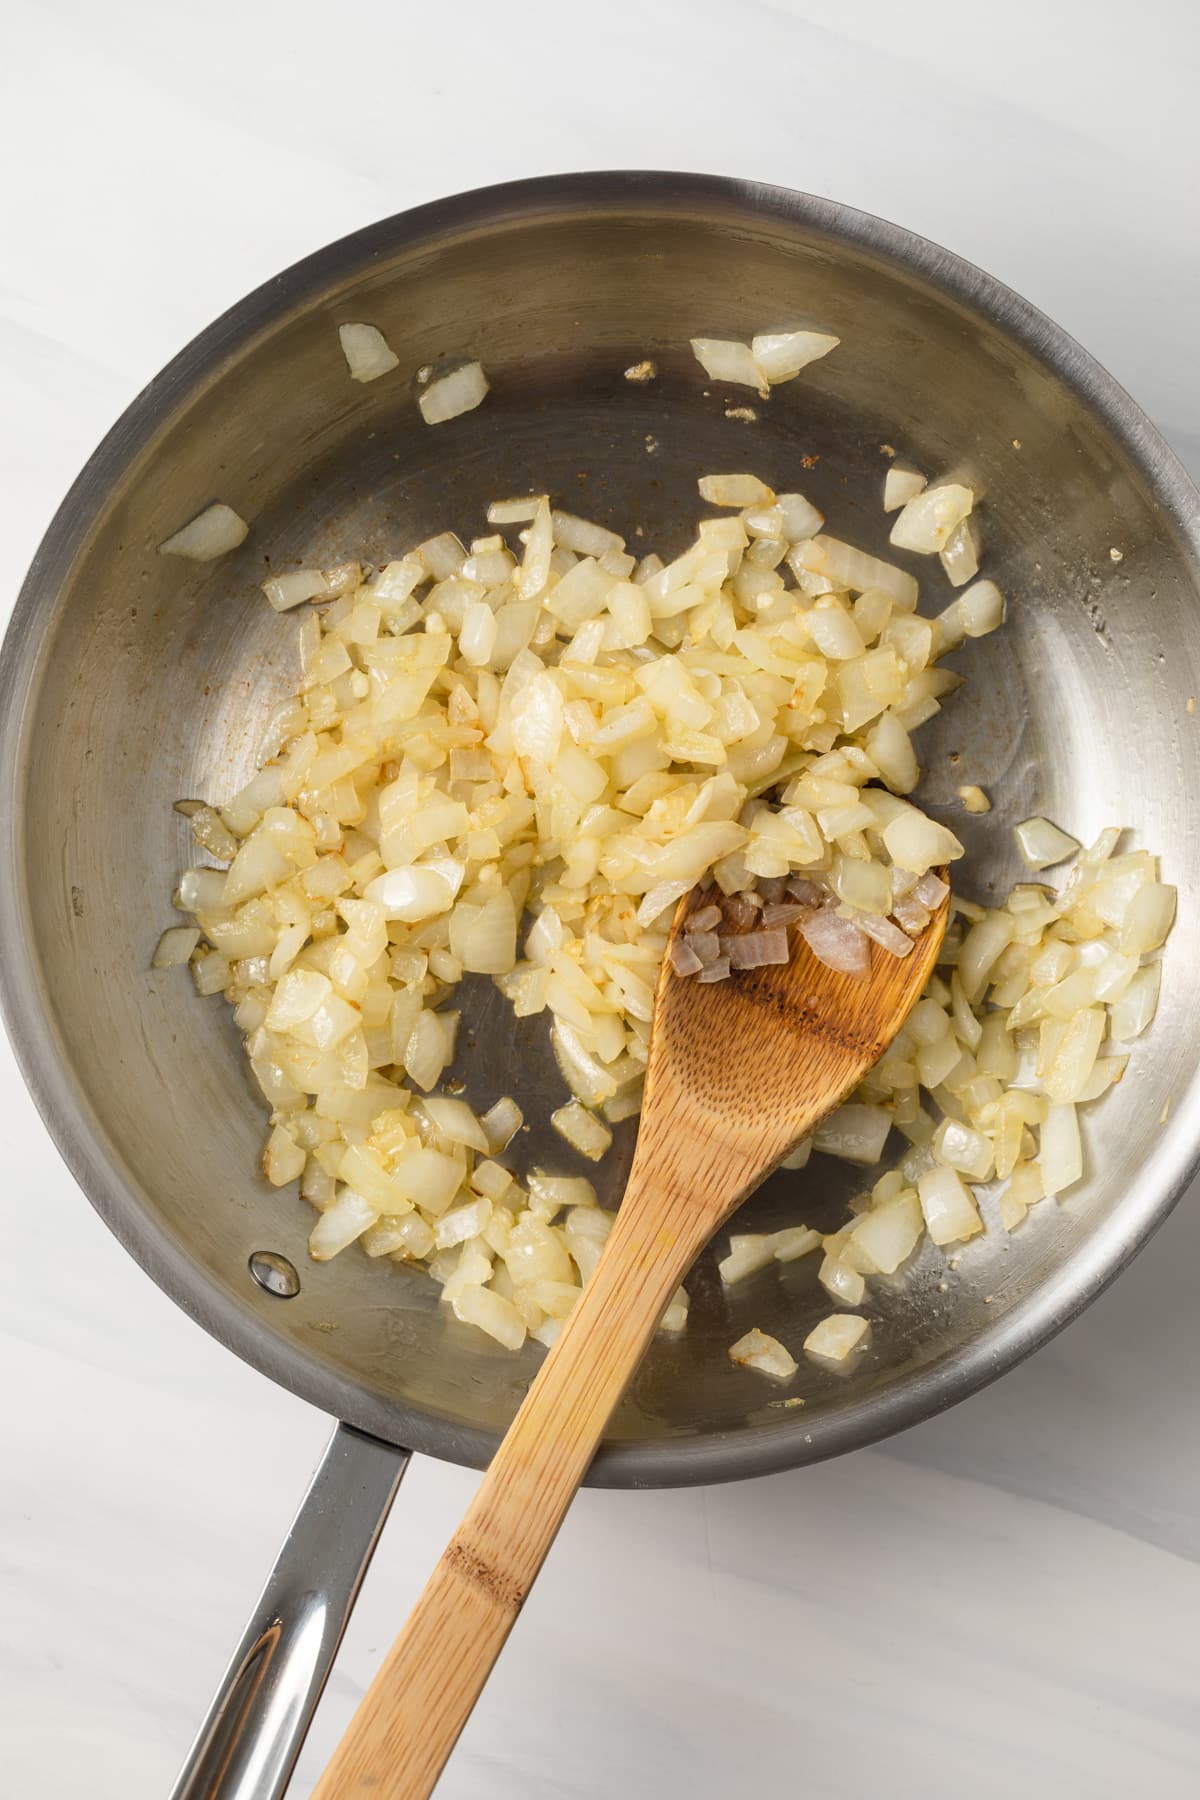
x=1006, y=1600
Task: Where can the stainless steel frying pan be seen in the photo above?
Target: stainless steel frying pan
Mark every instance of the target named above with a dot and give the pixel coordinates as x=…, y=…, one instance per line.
x=130, y=680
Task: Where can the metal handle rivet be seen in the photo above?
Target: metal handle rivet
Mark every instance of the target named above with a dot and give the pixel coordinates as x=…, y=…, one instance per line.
x=275, y=1273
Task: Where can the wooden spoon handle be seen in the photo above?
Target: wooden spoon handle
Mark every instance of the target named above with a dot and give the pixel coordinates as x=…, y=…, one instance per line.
x=411, y=1716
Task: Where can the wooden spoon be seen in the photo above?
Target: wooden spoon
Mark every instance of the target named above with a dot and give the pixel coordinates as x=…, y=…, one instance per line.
x=739, y=1072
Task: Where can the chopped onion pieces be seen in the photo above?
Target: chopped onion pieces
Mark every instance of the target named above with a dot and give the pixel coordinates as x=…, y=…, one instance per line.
x=835, y=1337
x=582, y=1130
x=901, y=484
x=1042, y=844
x=724, y=359
x=735, y=490
x=446, y=396
x=927, y=521
x=368, y=353
x=209, y=535
x=294, y=588
x=514, y=760
x=175, y=946
x=757, y=1350
x=782, y=354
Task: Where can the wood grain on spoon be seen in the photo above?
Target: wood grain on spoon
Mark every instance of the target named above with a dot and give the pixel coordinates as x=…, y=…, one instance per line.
x=739, y=1071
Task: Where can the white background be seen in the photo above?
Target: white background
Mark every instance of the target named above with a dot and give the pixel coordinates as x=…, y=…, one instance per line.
x=1006, y=1600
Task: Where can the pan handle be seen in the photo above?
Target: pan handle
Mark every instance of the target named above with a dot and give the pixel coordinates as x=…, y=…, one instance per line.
x=247, y=1746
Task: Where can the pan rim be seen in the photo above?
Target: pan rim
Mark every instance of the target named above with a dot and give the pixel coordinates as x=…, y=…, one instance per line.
x=789, y=1441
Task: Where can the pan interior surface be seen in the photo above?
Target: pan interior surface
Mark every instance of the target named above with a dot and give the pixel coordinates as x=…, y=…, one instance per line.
x=135, y=680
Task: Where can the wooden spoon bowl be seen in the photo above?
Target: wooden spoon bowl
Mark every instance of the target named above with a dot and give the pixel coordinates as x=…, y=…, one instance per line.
x=740, y=1071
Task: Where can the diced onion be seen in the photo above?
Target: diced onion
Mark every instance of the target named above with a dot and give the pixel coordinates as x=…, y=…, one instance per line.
x=724, y=359
x=1138, y=1004
x=210, y=972
x=798, y=517
x=757, y=949
x=515, y=760
x=588, y=1077
x=513, y=512
x=930, y=890
x=345, y=1220
x=1149, y=918
x=368, y=353
x=449, y=395
x=855, y=1132
x=927, y=521
x=951, y=1214
x=455, y=1120
x=491, y=1314
x=890, y=749
x=1061, y=1155
x=201, y=891
x=210, y=534
x=462, y=1223
x=961, y=1147
x=735, y=490
x=959, y=555
x=835, y=1337
x=841, y=1282
x=675, y=1318
x=583, y=537
x=500, y=1124
x=838, y=943
x=919, y=843
x=684, y=959
x=175, y=946
x=888, y=1234
x=758, y=1350
x=984, y=944
x=1042, y=844
x=294, y=588
x=415, y=892
x=980, y=609
x=747, y=1255
x=782, y=354
x=582, y=1130
x=847, y=567
x=209, y=829
x=894, y=941
x=794, y=1241
x=900, y=485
